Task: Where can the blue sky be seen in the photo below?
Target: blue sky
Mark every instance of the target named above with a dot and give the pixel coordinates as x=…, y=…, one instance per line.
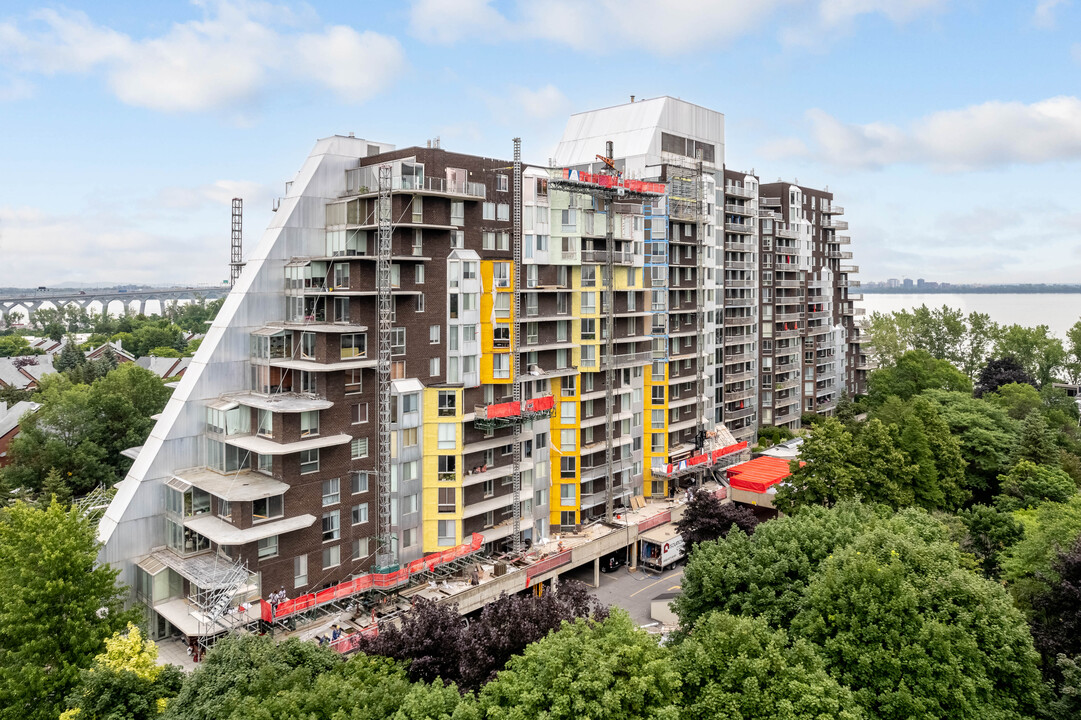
x=949, y=129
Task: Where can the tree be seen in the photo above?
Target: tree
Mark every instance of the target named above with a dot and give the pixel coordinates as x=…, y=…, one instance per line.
x=1056, y=612
x=735, y=667
x=1072, y=363
x=986, y=435
x=764, y=575
x=80, y=430
x=1066, y=704
x=600, y=670
x=15, y=346
x=828, y=473
x=1037, y=443
x=946, y=453
x=883, y=474
x=988, y=533
x=1036, y=349
x=70, y=356
x=1028, y=566
x=164, y=352
x=125, y=681
x=1002, y=371
x=706, y=518
x=249, y=666
x=978, y=342
x=898, y=619
x=915, y=371
x=1028, y=485
x=428, y=640
x=57, y=608
x=1019, y=400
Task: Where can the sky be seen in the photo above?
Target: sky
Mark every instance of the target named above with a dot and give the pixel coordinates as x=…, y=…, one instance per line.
x=950, y=130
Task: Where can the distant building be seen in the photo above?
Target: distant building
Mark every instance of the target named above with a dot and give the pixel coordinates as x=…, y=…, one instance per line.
x=908, y=282
x=919, y=283
x=893, y=282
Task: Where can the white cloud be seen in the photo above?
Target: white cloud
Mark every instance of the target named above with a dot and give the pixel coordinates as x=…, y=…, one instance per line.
x=1044, y=15
x=989, y=135
x=544, y=103
x=226, y=60
x=614, y=26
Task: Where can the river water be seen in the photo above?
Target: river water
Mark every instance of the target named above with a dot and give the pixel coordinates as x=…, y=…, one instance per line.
x=1058, y=311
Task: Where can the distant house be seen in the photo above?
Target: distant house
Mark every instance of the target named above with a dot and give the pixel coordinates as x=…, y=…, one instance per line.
x=122, y=355
x=15, y=372
x=165, y=368
x=9, y=425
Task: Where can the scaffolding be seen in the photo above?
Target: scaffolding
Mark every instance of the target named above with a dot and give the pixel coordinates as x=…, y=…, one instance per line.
x=612, y=189
x=515, y=349
x=236, y=258
x=700, y=310
x=94, y=504
x=215, y=596
x=386, y=550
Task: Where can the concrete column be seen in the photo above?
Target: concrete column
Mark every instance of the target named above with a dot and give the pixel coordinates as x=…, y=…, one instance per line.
x=596, y=572
x=142, y=307
x=634, y=555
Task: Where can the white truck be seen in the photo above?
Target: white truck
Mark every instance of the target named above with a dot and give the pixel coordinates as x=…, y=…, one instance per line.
x=661, y=547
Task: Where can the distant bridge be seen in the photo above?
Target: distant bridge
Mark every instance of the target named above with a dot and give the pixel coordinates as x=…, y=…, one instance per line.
x=29, y=303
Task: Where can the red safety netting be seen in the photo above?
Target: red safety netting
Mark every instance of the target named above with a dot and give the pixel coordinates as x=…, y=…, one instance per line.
x=706, y=457
x=758, y=475
x=369, y=581
x=508, y=409
x=540, y=404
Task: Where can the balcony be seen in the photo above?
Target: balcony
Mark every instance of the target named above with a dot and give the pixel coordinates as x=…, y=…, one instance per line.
x=744, y=228
x=745, y=393
x=787, y=262
x=364, y=181
x=731, y=415
x=745, y=210
x=739, y=320
x=815, y=330
x=788, y=233
x=731, y=377
x=841, y=240
x=740, y=192
x=619, y=257
x=743, y=283
x=788, y=316
x=740, y=245
x=832, y=224
x=792, y=382
x=771, y=202
x=739, y=302
x=839, y=254
x=850, y=269
x=628, y=360
x=834, y=210
x=738, y=265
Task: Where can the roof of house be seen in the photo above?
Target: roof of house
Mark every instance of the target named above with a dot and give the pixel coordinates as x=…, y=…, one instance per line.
x=22, y=378
x=164, y=367
x=9, y=418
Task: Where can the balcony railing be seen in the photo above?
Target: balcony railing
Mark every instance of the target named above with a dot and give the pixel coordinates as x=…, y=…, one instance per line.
x=628, y=360
x=789, y=233
x=363, y=180
x=834, y=210
x=746, y=210
x=745, y=228
x=740, y=192
x=832, y=224
x=619, y=257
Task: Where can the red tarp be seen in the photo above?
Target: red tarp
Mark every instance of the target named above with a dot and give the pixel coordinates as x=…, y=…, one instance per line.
x=370, y=580
x=541, y=403
x=509, y=409
x=759, y=474
x=706, y=457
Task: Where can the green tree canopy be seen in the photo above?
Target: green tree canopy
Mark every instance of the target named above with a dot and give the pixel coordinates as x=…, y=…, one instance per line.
x=1028, y=565
x=737, y=667
x=1028, y=485
x=15, y=345
x=1036, y=349
x=80, y=430
x=916, y=635
x=57, y=607
x=587, y=669
x=988, y=532
x=827, y=471
x=914, y=372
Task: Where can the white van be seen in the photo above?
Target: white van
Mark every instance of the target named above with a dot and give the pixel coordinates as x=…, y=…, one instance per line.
x=661, y=547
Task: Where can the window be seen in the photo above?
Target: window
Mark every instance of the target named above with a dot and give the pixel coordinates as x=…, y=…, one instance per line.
x=469, y=333
x=309, y=423
x=266, y=423
x=268, y=508
x=332, y=528
x=503, y=213
x=488, y=211
x=567, y=409
x=567, y=467
x=589, y=276
x=446, y=533
x=331, y=492
x=409, y=537
x=359, y=482
x=589, y=303
x=307, y=345
x=397, y=341
x=360, y=548
x=418, y=276
x=656, y=442
x=487, y=240
x=447, y=468
x=448, y=436
x=433, y=334
x=341, y=309
x=359, y=448
x=567, y=494
x=300, y=571
x=354, y=345
x=502, y=305
x=501, y=366
x=418, y=243
x=433, y=367
x=501, y=183
x=353, y=382
x=567, y=517
x=309, y=461
x=410, y=437
x=332, y=556
x=501, y=336
x=489, y=488
x=589, y=329
x=457, y=237
x=418, y=209
x=469, y=271
x=501, y=274
x=360, y=514
x=410, y=403
x=447, y=500
x=457, y=214
x=268, y=547
x=567, y=440
x=360, y=413
x=447, y=403
x=542, y=440
x=225, y=510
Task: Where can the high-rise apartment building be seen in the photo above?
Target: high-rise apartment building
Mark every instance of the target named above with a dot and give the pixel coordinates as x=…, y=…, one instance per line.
x=396, y=371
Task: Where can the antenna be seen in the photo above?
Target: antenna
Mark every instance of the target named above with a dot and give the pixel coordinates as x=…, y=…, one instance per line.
x=236, y=259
